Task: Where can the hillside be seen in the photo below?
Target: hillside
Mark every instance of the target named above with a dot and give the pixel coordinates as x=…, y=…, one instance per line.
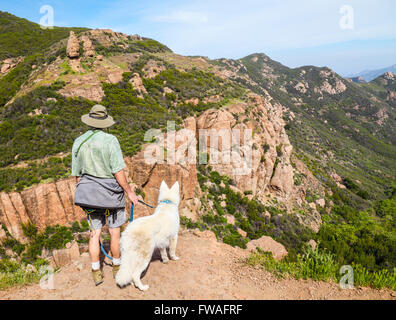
x=20, y=37
x=338, y=124
x=323, y=148
x=384, y=87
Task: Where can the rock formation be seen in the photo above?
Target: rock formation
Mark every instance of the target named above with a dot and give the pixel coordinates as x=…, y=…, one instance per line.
x=270, y=245
x=389, y=75
x=73, y=46
x=152, y=68
x=43, y=205
x=107, y=37
x=89, y=50
x=137, y=84
x=391, y=95
x=8, y=64
x=64, y=256
x=267, y=130
x=87, y=86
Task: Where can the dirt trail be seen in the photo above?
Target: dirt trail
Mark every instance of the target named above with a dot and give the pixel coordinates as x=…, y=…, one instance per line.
x=207, y=269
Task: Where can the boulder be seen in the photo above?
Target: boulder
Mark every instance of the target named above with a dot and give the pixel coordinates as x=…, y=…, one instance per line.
x=167, y=90
x=87, y=86
x=283, y=178
x=243, y=233
x=268, y=244
x=312, y=243
x=67, y=255
x=230, y=219
x=9, y=64
x=205, y=234
x=5, y=67
x=321, y=202
x=336, y=177
x=191, y=214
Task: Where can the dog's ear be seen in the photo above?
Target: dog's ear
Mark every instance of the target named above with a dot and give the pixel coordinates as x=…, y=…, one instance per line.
x=175, y=187
x=163, y=186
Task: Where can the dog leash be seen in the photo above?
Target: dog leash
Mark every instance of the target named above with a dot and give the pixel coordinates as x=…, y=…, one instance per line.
x=88, y=212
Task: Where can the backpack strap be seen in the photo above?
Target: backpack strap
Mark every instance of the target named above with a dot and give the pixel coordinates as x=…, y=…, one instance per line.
x=90, y=136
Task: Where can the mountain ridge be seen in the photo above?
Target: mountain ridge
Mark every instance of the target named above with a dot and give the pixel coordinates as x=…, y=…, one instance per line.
x=369, y=75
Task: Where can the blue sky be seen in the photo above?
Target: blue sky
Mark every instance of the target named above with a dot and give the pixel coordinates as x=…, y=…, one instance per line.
x=295, y=33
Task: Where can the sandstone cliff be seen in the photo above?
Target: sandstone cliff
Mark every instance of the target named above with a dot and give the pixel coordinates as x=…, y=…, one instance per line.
x=271, y=172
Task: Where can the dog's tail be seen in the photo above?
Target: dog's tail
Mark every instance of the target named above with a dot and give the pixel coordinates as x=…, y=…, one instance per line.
x=136, y=251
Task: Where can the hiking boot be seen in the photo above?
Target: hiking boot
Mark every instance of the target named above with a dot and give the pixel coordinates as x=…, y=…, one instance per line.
x=115, y=270
x=97, y=276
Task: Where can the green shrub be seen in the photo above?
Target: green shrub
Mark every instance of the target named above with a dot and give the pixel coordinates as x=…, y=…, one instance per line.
x=320, y=265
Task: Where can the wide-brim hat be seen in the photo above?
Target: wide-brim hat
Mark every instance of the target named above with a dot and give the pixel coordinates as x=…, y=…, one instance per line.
x=98, y=117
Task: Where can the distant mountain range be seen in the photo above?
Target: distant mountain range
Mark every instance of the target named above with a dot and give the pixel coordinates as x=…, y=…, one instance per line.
x=369, y=75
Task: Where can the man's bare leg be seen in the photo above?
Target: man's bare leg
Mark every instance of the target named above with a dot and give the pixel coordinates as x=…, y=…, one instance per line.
x=93, y=246
x=115, y=235
x=94, y=251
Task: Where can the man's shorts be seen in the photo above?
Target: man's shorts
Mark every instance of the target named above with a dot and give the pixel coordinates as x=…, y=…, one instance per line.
x=115, y=219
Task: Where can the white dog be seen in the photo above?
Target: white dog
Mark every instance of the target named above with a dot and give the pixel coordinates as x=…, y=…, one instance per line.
x=143, y=235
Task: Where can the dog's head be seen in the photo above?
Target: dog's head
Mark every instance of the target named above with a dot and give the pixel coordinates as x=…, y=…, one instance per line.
x=171, y=194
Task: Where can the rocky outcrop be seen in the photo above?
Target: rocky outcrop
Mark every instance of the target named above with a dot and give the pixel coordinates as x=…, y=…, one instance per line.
x=268, y=167
x=381, y=116
x=115, y=75
x=152, y=68
x=89, y=50
x=356, y=79
x=86, y=86
x=3, y=234
x=8, y=64
x=137, y=84
x=331, y=84
x=283, y=178
x=301, y=87
x=73, y=46
x=107, y=37
x=389, y=75
x=391, y=95
x=42, y=205
x=147, y=176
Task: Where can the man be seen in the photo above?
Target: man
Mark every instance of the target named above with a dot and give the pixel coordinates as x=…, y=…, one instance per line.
x=97, y=164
